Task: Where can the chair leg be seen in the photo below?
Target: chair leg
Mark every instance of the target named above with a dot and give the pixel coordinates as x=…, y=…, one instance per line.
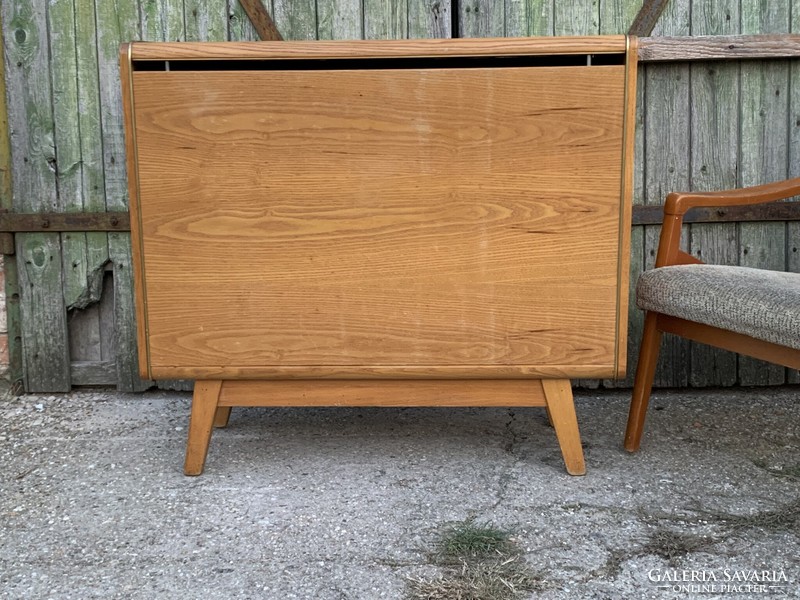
x=222, y=416
x=643, y=383
x=201, y=422
x=561, y=409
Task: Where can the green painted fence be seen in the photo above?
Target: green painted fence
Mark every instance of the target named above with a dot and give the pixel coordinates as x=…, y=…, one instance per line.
x=700, y=126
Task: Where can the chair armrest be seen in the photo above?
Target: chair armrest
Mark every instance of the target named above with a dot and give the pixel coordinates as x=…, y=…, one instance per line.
x=677, y=204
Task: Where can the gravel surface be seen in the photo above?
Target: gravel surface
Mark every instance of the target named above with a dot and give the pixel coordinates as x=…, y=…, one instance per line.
x=348, y=503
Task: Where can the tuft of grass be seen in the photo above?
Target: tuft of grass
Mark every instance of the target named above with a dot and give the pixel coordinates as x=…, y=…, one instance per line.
x=480, y=562
x=469, y=540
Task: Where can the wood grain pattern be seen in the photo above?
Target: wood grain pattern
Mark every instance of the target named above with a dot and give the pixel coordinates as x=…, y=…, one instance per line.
x=261, y=19
x=379, y=48
x=561, y=412
x=720, y=47
x=201, y=424
x=30, y=116
x=470, y=266
x=448, y=392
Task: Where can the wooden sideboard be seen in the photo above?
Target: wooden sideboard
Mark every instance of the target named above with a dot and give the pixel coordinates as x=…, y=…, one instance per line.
x=392, y=223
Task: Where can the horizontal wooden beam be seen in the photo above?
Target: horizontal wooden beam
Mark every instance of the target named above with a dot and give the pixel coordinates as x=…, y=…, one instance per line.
x=719, y=47
x=775, y=211
x=11, y=222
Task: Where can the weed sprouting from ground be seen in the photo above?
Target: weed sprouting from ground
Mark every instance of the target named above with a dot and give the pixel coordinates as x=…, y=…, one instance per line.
x=479, y=562
x=671, y=545
x=468, y=540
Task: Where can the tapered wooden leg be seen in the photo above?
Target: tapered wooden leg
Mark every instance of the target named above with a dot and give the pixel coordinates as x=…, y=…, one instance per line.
x=204, y=408
x=561, y=408
x=643, y=383
x=222, y=416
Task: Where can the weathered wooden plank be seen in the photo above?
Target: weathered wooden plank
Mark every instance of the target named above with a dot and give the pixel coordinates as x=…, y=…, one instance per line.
x=541, y=17
x=429, y=19
x=667, y=143
x=118, y=22
x=162, y=20
x=517, y=18
x=580, y=17
x=78, y=138
x=44, y=331
x=93, y=373
x=616, y=16
x=240, y=28
x=9, y=264
x=732, y=47
x=93, y=198
x=206, y=20
x=714, y=162
x=764, y=158
x=385, y=19
x=481, y=18
x=774, y=211
x=296, y=19
x=339, y=20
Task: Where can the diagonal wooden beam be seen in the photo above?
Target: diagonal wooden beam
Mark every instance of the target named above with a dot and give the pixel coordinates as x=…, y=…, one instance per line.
x=647, y=17
x=263, y=23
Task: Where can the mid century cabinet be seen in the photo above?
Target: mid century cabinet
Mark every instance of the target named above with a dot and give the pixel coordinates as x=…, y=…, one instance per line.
x=393, y=223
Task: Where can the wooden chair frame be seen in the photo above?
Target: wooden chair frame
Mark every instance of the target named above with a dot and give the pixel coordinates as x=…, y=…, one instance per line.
x=669, y=253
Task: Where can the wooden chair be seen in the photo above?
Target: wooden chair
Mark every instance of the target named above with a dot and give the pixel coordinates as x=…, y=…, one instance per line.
x=750, y=311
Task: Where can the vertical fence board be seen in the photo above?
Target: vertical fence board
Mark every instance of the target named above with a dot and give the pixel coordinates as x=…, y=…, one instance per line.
x=385, y=19
x=667, y=143
x=240, y=28
x=617, y=16
x=117, y=22
x=9, y=263
x=429, y=19
x=42, y=312
x=162, y=20
x=206, y=20
x=764, y=158
x=541, y=17
x=339, y=20
x=481, y=18
x=714, y=166
x=517, y=18
x=66, y=138
x=84, y=254
x=296, y=19
x=579, y=17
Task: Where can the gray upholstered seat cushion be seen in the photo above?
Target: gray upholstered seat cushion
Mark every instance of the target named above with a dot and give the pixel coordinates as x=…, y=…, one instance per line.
x=756, y=302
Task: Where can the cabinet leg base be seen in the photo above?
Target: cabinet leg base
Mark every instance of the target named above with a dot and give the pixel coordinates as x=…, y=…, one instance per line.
x=201, y=423
x=561, y=410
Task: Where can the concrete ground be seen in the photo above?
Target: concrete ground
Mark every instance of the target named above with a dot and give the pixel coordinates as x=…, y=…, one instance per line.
x=349, y=503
